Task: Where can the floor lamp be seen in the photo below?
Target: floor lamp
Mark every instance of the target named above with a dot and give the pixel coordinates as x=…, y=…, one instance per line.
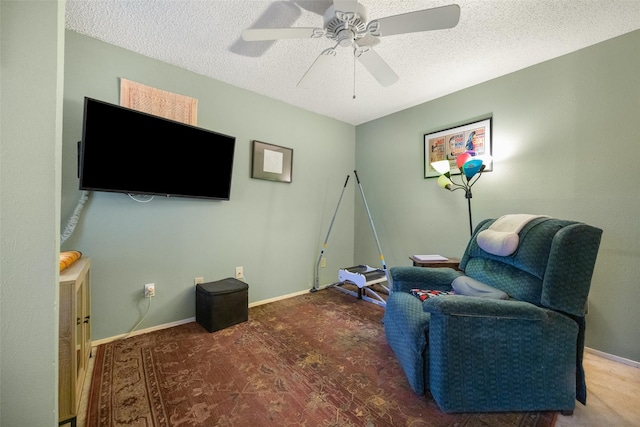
x=471, y=169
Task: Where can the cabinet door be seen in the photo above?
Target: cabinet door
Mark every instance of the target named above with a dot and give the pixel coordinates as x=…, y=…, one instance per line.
x=86, y=313
x=81, y=362
x=75, y=336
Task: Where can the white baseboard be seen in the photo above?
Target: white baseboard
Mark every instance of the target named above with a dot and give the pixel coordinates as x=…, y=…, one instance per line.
x=193, y=319
x=613, y=358
x=142, y=331
x=280, y=298
x=295, y=294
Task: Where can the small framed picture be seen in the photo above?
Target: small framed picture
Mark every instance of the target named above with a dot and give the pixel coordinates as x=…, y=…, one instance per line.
x=271, y=162
x=447, y=144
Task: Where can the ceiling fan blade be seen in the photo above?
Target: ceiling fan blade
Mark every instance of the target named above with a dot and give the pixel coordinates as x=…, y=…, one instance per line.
x=368, y=40
x=318, y=7
x=437, y=18
x=317, y=68
x=261, y=34
x=346, y=6
x=376, y=65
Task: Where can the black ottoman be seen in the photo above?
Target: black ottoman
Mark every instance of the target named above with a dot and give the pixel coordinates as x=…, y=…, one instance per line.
x=222, y=304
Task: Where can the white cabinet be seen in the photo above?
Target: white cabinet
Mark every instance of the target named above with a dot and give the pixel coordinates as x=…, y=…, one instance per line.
x=74, y=347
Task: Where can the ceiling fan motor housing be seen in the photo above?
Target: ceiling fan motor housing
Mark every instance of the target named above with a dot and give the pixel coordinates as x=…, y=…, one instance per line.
x=345, y=28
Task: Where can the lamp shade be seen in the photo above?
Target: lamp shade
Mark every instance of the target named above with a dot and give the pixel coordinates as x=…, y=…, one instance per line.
x=462, y=158
x=441, y=166
x=471, y=167
x=444, y=182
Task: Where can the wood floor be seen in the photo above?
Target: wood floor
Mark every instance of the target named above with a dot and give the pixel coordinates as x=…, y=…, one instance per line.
x=612, y=395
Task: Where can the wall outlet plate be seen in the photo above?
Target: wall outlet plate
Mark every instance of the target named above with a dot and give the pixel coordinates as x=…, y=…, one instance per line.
x=149, y=290
x=239, y=273
x=198, y=280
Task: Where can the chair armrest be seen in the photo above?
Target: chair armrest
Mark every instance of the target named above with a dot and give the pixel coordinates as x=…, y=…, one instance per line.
x=407, y=278
x=460, y=305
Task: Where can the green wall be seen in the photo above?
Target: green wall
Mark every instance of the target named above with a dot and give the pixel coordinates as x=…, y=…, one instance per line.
x=565, y=142
x=274, y=230
x=31, y=59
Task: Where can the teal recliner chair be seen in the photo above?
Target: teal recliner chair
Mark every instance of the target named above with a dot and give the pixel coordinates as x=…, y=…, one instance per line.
x=524, y=353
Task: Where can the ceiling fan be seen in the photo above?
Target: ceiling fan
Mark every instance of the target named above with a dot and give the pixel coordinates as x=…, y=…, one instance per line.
x=345, y=22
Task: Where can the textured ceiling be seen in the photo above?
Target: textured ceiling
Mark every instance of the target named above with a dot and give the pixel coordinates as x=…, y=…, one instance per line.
x=493, y=38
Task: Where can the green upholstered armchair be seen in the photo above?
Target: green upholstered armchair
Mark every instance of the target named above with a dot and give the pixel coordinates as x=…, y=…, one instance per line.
x=484, y=355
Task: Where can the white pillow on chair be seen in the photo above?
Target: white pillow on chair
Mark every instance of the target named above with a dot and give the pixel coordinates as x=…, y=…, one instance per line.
x=501, y=243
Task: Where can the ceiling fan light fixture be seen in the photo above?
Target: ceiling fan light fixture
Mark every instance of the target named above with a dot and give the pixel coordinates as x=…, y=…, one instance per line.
x=345, y=38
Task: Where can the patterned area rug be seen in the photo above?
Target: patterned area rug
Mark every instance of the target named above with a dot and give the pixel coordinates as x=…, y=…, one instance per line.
x=319, y=359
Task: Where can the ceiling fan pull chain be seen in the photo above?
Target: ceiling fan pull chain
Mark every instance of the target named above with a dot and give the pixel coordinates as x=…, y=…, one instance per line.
x=354, y=74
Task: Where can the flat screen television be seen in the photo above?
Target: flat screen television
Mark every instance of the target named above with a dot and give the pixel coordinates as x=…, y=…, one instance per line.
x=128, y=151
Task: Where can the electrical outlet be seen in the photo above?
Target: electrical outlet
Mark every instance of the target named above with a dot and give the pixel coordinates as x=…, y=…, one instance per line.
x=198, y=280
x=150, y=290
x=239, y=273
x=323, y=262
